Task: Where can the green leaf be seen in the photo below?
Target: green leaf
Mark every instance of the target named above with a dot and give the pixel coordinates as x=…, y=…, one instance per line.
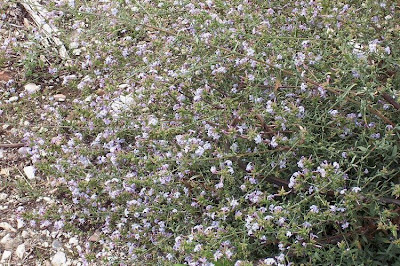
x=394, y=151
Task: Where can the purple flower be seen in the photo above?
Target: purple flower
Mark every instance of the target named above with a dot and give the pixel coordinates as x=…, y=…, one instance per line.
x=345, y=225
x=58, y=225
x=314, y=209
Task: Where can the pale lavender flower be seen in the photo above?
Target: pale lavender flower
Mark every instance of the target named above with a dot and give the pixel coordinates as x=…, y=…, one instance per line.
x=258, y=139
x=345, y=225
x=269, y=261
x=314, y=209
x=217, y=255
x=58, y=225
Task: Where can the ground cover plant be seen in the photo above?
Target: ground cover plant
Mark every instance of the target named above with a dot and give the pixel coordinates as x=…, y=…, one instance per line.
x=218, y=132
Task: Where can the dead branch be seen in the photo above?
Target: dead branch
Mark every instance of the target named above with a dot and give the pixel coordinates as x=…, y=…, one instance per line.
x=37, y=13
x=12, y=145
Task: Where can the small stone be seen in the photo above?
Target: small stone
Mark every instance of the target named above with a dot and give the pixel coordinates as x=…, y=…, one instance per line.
x=23, y=151
x=13, y=99
x=95, y=237
x=5, y=76
x=31, y=88
x=73, y=45
x=73, y=241
x=77, y=52
x=123, y=86
x=56, y=244
x=100, y=92
x=6, y=255
x=59, y=259
x=20, y=251
x=88, y=99
x=20, y=223
x=25, y=234
x=59, y=97
x=7, y=238
x=7, y=227
x=7, y=242
x=5, y=172
x=3, y=196
x=30, y=172
x=6, y=127
x=26, y=23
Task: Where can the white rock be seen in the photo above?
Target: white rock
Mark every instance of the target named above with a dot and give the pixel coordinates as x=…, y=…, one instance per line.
x=7, y=242
x=6, y=127
x=89, y=98
x=25, y=234
x=56, y=244
x=48, y=199
x=3, y=196
x=30, y=172
x=20, y=251
x=13, y=99
x=1, y=154
x=7, y=227
x=23, y=151
x=73, y=241
x=20, y=223
x=123, y=86
x=5, y=172
x=59, y=97
x=59, y=259
x=73, y=45
x=77, y=52
x=6, y=255
x=7, y=238
x=123, y=103
x=31, y=88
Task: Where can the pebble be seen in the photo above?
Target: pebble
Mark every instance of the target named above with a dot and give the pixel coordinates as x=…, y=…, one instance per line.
x=6, y=239
x=29, y=172
x=123, y=86
x=73, y=45
x=59, y=97
x=100, y=92
x=6, y=127
x=9, y=244
x=13, y=99
x=6, y=255
x=3, y=196
x=89, y=98
x=20, y=223
x=25, y=234
x=23, y=151
x=77, y=52
x=95, y=237
x=56, y=244
x=73, y=241
x=59, y=259
x=31, y=88
x=20, y=251
x=6, y=226
x=5, y=172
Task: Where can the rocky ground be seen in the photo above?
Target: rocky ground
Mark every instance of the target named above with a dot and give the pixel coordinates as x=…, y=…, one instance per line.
x=18, y=244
